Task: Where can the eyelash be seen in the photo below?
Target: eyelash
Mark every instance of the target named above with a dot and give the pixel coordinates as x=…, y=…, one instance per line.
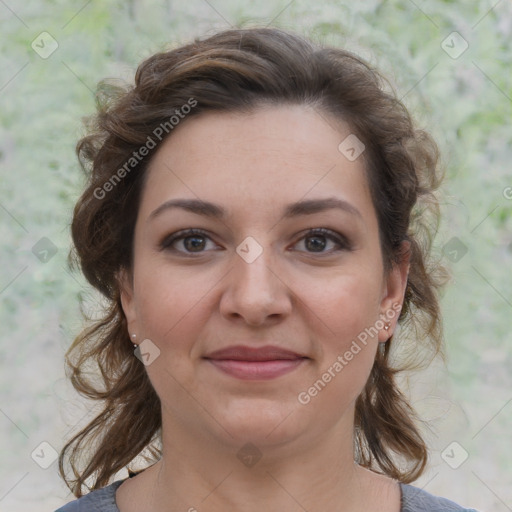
x=342, y=242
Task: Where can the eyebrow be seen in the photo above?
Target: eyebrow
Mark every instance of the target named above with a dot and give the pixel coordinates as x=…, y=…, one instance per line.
x=304, y=207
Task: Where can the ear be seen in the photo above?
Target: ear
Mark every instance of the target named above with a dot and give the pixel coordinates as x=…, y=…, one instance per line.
x=125, y=280
x=394, y=286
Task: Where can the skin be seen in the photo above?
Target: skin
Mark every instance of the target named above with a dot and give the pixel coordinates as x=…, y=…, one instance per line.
x=316, y=303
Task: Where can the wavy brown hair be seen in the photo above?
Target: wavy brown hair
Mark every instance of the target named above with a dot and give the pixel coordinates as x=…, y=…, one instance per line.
x=240, y=70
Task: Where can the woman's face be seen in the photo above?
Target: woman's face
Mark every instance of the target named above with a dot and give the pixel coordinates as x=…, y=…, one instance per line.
x=285, y=254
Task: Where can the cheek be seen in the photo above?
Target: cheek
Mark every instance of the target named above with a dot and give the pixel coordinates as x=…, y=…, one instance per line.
x=347, y=306
x=170, y=304
x=172, y=308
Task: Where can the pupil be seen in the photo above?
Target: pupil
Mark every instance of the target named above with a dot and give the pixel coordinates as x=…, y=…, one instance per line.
x=194, y=242
x=317, y=245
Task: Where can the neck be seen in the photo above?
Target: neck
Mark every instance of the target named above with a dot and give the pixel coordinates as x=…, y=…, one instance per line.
x=200, y=474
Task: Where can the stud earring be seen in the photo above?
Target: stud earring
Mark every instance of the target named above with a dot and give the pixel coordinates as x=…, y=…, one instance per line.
x=386, y=327
x=134, y=337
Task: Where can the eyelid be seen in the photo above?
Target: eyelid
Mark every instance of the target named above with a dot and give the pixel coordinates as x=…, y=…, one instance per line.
x=168, y=240
x=341, y=240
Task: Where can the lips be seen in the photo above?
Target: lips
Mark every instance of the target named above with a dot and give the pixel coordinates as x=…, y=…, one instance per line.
x=243, y=353
x=262, y=363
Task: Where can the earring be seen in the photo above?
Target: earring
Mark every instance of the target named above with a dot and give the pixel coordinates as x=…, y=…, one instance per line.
x=134, y=337
x=387, y=326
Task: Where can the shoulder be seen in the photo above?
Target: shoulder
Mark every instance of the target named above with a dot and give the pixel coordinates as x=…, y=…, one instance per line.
x=101, y=500
x=415, y=499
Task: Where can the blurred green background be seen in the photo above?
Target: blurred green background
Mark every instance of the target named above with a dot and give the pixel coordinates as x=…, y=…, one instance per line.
x=450, y=63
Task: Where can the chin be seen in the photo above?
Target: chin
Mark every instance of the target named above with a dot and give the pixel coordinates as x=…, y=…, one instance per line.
x=262, y=422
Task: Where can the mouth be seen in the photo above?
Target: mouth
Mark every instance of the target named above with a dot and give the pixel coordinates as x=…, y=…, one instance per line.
x=262, y=363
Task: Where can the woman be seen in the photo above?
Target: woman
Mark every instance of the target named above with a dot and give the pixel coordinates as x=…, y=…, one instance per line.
x=257, y=215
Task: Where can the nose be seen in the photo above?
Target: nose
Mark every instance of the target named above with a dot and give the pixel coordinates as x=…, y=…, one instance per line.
x=256, y=292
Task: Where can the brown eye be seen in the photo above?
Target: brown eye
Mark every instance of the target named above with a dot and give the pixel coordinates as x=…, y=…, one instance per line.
x=316, y=243
x=187, y=242
x=194, y=243
x=317, y=240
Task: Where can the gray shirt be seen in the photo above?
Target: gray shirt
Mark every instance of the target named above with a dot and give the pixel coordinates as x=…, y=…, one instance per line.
x=414, y=499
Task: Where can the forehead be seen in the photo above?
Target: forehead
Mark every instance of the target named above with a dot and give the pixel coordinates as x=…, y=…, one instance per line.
x=256, y=160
